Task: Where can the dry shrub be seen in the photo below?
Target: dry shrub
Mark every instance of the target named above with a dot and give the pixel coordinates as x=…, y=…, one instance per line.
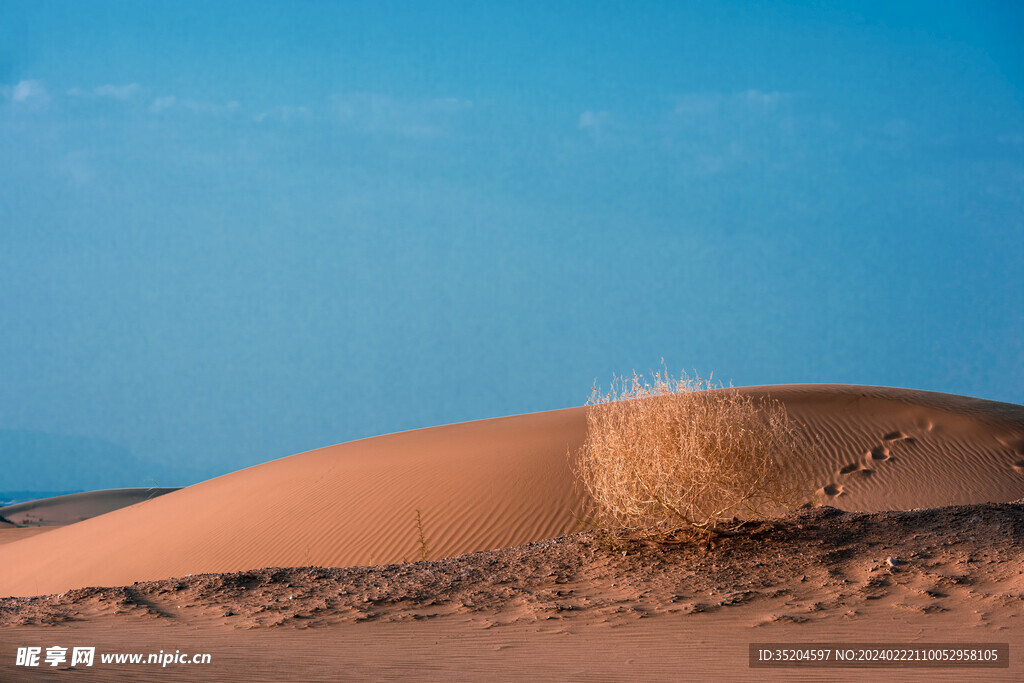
x=424, y=550
x=670, y=454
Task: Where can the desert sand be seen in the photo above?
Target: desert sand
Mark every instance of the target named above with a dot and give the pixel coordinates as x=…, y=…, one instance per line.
x=76, y=507
x=31, y=518
x=10, y=533
x=494, y=487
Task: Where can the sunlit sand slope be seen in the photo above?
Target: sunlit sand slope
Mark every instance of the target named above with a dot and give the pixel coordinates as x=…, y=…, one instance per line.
x=477, y=485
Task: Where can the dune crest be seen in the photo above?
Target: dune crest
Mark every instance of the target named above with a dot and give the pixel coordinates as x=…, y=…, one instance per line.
x=502, y=482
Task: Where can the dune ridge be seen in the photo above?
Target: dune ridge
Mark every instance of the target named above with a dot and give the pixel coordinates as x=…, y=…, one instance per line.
x=503, y=482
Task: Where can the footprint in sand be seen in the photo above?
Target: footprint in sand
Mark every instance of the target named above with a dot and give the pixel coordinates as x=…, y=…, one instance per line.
x=898, y=436
x=1016, y=445
x=879, y=453
x=831, y=490
x=1013, y=443
x=925, y=424
x=856, y=468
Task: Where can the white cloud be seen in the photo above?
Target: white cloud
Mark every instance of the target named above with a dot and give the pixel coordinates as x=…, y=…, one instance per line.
x=593, y=120
x=197, y=107
x=716, y=132
x=283, y=113
x=698, y=105
x=166, y=102
x=764, y=99
x=161, y=103
x=29, y=92
x=118, y=92
x=718, y=103
x=606, y=128
x=425, y=118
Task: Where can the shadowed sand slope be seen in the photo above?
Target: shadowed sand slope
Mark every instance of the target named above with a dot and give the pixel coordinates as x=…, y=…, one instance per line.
x=74, y=507
x=502, y=482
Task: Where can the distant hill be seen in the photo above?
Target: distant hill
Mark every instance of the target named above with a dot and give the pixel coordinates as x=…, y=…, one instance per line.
x=75, y=507
x=13, y=497
x=48, y=463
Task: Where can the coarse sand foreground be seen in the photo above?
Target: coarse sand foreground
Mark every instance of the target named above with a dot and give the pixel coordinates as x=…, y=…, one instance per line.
x=699, y=647
x=571, y=608
x=500, y=483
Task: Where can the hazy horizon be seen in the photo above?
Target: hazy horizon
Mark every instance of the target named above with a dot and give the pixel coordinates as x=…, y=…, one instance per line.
x=230, y=232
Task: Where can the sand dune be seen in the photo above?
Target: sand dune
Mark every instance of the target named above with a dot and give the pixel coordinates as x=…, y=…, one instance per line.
x=34, y=517
x=10, y=533
x=499, y=483
x=75, y=507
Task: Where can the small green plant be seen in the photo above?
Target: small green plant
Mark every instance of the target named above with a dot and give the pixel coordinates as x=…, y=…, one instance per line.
x=684, y=454
x=424, y=551
x=613, y=542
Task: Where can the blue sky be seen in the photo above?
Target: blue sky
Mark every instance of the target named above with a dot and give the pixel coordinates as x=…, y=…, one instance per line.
x=230, y=232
